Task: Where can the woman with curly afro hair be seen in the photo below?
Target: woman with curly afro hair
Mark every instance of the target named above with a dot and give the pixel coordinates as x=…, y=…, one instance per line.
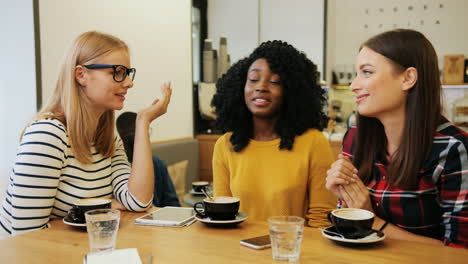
x=273, y=157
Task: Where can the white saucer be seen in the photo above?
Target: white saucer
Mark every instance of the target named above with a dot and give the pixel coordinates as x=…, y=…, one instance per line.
x=372, y=238
x=74, y=224
x=240, y=217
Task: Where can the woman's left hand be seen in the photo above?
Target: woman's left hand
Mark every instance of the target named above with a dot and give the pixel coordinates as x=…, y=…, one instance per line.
x=158, y=107
x=356, y=195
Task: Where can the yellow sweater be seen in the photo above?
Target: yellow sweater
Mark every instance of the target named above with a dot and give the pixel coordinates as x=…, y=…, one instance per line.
x=269, y=181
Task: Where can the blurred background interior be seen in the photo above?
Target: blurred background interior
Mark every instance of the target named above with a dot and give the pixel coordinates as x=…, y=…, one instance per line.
x=193, y=42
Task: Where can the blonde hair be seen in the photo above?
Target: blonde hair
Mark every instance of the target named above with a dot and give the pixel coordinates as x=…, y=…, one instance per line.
x=70, y=105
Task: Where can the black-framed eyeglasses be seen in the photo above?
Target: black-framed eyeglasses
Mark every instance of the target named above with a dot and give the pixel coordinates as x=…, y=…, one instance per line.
x=120, y=72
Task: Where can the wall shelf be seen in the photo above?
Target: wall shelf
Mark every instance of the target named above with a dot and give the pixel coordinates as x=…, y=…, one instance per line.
x=460, y=86
x=340, y=86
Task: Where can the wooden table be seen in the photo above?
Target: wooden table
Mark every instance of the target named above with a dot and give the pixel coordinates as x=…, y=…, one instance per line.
x=201, y=244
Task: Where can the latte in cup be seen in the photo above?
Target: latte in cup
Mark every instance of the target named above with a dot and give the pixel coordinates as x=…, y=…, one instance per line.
x=222, y=199
x=354, y=214
x=220, y=208
x=352, y=223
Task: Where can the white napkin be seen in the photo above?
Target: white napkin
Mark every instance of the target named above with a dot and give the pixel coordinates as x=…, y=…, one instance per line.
x=117, y=256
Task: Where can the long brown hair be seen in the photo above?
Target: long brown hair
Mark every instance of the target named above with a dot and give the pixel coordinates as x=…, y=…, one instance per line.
x=406, y=48
x=70, y=105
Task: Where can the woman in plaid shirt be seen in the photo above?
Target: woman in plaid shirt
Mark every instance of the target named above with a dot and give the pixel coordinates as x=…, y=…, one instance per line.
x=404, y=161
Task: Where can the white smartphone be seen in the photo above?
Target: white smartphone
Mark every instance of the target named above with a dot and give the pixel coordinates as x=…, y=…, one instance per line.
x=167, y=216
x=260, y=242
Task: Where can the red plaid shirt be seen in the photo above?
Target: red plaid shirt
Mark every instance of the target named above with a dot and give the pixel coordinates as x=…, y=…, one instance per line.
x=439, y=207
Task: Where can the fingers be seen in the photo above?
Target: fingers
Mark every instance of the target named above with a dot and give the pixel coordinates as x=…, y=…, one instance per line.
x=355, y=196
x=335, y=191
x=344, y=163
x=343, y=169
x=347, y=198
x=342, y=172
x=163, y=103
x=361, y=185
x=166, y=90
x=338, y=177
x=337, y=181
x=344, y=204
x=355, y=189
x=341, y=156
x=352, y=190
x=165, y=87
x=159, y=106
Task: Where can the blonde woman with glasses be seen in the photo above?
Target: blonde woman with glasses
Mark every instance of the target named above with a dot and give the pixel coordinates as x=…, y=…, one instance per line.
x=70, y=150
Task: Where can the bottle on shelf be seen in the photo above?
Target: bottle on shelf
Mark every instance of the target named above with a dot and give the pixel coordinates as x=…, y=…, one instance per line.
x=223, y=60
x=460, y=112
x=209, y=64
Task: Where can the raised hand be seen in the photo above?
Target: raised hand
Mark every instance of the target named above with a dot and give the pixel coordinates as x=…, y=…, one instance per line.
x=159, y=106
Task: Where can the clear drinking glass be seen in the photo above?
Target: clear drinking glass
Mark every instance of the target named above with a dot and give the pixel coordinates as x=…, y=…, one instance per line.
x=102, y=226
x=286, y=237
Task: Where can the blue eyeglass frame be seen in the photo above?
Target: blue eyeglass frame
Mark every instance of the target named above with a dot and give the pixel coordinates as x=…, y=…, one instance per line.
x=128, y=71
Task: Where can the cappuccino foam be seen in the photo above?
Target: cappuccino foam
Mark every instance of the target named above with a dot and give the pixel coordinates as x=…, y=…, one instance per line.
x=353, y=214
x=223, y=199
x=200, y=183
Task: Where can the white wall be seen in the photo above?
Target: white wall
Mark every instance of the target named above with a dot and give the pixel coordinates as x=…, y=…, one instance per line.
x=299, y=22
x=17, y=80
x=238, y=21
x=351, y=19
x=247, y=23
x=158, y=33
x=351, y=22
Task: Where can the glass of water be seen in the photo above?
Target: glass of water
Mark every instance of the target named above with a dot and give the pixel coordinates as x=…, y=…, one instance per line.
x=102, y=226
x=286, y=237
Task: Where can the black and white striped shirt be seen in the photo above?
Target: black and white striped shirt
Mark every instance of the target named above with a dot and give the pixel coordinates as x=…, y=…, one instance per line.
x=47, y=179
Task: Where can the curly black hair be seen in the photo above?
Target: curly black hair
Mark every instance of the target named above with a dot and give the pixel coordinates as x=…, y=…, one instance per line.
x=303, y=104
